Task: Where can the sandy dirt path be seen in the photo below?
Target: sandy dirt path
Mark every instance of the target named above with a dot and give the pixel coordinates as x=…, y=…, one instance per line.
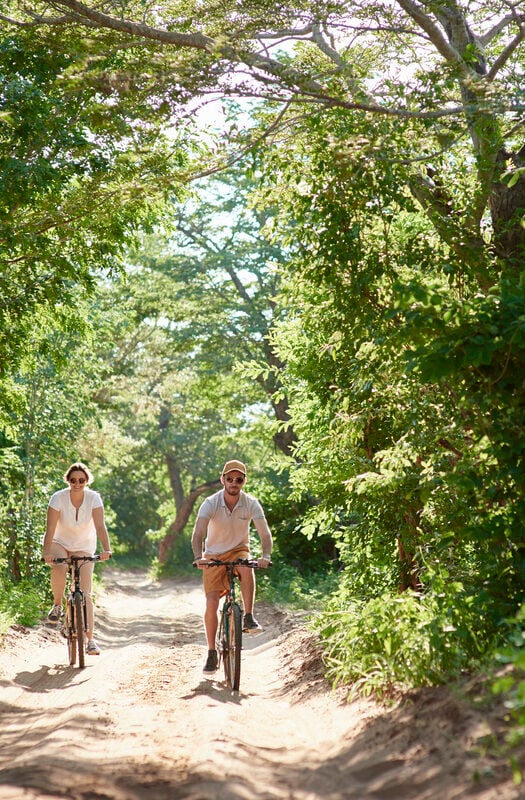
x=141, y=722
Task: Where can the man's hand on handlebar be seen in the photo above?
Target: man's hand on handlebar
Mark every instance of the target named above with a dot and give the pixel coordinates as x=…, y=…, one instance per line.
x=200, y=563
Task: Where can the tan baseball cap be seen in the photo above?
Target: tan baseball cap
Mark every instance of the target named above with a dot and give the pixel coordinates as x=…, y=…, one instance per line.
x=232, y=466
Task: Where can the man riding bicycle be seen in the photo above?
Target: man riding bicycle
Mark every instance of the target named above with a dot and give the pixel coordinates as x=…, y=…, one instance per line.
x=222, y=531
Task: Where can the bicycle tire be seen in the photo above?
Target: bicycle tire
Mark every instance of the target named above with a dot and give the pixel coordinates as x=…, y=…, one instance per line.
x=79, y=627
x=222, y=642
x=234, y=646
x=70, y=634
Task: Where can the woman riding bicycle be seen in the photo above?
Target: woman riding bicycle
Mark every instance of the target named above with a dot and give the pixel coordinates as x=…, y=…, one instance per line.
x=75, y=520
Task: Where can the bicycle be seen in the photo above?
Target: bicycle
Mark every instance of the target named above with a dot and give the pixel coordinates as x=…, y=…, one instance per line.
x=75, y=617
x=229, y=634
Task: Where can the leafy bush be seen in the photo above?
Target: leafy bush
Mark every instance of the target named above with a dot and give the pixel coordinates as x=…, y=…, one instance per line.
x=512, y=685
x=20, y=603
x=6, y=620
x=395, y=641
x=284, y=584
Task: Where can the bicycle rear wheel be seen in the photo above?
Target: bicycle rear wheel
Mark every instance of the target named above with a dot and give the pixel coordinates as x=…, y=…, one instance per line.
x=234, y=646
x=70, y=633
x=79, y=628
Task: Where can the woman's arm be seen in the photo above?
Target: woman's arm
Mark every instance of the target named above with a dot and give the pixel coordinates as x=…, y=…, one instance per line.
x=51, y=524
x=102, y=532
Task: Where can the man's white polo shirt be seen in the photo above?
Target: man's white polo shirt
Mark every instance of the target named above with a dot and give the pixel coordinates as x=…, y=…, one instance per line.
x=230, y=529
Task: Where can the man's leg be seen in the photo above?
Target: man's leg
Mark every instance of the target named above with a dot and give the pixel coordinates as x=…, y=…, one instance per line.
x=247, y=579
x=211, y=621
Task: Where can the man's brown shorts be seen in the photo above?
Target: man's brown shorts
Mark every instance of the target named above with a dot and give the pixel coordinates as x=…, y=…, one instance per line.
x=215, y=579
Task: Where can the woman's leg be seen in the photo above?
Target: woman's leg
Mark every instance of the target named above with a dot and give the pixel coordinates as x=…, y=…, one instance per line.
x=58, y=573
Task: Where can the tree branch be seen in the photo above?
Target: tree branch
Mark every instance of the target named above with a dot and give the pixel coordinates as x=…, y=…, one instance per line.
x=81, y=13
x=507, y=53
x=486, y=38
x=448, y=52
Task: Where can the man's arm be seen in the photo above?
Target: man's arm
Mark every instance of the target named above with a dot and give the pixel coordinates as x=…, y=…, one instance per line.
x=261, y=526
x=197, y=540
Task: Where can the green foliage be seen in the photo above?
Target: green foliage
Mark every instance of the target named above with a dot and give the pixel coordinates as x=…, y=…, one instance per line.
x=405, y=392
x=175, y=401
x=21, y=603
x=6, y=620
x=378, y=645
x=303, y=547
x=180, y=561
x=71, y=199
x=295, y=588
x=512, y=683
x=42, y=429
x=80, y=175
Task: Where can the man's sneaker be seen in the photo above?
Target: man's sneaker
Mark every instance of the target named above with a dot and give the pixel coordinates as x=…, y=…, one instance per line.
x=250, y=624
x=55, y=615
x=92, y=648
x=212, y=662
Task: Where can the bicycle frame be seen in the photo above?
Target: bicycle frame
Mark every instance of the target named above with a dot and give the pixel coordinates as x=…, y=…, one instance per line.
x=75, y=618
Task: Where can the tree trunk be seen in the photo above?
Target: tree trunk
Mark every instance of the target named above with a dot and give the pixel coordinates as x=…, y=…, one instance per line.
x=507, y=208
x=175, y=480
x=183, y=513
x=409, y=578
x=284, y=438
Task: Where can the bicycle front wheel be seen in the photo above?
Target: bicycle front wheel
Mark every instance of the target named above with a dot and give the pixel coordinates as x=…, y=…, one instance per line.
x=234, y=646
x=222, y=643
x=79, y=627
x=69, y=631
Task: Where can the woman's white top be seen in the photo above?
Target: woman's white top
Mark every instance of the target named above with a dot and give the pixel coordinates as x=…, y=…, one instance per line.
x=75, y=528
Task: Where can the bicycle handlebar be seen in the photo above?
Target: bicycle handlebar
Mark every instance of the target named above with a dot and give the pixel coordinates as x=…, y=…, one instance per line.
x=72, y=559
x=240, y=562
